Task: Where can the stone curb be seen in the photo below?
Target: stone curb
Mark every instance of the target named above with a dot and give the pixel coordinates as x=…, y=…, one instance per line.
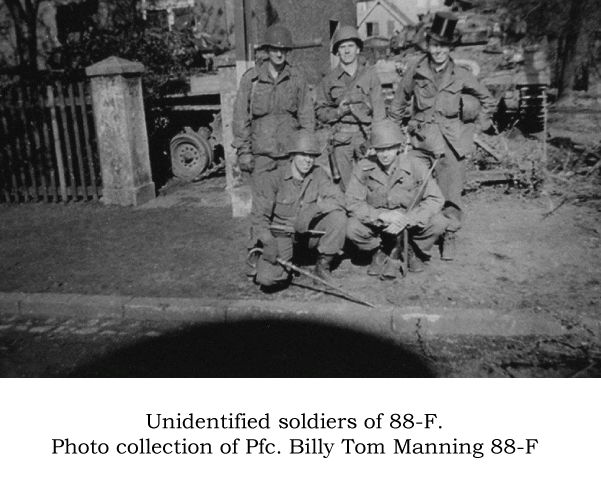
x=386, y=321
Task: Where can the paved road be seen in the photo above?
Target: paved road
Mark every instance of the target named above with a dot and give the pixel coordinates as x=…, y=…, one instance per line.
x=58, y=346
x=49, y=347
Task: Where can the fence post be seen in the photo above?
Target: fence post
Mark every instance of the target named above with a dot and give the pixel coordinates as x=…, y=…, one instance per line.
x=121, y=131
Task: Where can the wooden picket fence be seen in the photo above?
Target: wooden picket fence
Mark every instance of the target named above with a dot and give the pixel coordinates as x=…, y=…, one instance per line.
x=48, y=146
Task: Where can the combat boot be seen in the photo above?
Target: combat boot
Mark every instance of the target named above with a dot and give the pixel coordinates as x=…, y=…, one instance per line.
x=448, y=248
x=252, y=258
x=415, y=263
x=392, y=269
x=378, y=259
x=322, y=267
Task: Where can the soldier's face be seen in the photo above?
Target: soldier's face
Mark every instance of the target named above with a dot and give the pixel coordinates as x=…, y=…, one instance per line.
x=303, y=162
x=348, y=52
x=439, y=53
x=277, y=56
x=386, y=156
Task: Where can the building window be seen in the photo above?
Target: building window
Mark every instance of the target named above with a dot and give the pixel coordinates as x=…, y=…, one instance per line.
x=373, y=29
x=157, y=18
x=183, y=17
x=333, y=27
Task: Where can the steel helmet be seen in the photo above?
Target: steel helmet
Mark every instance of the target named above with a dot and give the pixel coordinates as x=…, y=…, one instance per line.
x=470, y=108
x=277, y=36
x=304, y=141
x=347, y=32
x=386, y=134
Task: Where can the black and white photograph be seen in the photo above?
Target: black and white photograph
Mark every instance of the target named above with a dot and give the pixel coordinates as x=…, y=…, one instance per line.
x=310, y=188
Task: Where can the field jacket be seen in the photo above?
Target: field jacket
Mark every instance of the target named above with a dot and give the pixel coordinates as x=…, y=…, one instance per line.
x=372, y=190
x=364, y=87
x=432, y=111
x=281, y=198
x=267, y=111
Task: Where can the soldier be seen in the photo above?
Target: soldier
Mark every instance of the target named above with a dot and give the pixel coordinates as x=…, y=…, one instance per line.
x=348, y=99
x=428, y=100
x=291, y=205
x=382, y=189
x=272, y=102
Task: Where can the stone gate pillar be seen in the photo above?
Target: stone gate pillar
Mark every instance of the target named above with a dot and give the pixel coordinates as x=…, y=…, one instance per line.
x=121, y=130
x=239, y=193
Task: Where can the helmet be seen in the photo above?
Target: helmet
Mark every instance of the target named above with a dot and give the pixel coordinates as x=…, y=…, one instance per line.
x=470, y=108
x=304, y=141
x=386, y=134
x=277, y=36
x=346, y=32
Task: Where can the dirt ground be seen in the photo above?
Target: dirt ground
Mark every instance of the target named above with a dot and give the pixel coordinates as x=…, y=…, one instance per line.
x=510, y=256
x=520, y=249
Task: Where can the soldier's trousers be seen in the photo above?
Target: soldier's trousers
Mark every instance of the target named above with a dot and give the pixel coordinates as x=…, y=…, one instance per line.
x=450, y=176
x=263, y=164
x=331, y=243
x=369, y=237
x=346, y=154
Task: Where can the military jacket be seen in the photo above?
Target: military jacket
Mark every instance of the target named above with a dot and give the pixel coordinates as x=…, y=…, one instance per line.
x=268, y=110
x=372, y=190
x=434, y=108
x=280, y=198
x=337, y=85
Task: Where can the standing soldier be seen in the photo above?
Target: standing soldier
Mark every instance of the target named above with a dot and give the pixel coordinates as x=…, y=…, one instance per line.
x=292, y=204
x=272, y=102
x=349, y=99
x=429, y=100
x=391, y=192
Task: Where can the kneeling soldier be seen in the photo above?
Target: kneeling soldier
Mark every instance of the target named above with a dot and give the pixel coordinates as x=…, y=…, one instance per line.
x=382, y=190
x=298, y=206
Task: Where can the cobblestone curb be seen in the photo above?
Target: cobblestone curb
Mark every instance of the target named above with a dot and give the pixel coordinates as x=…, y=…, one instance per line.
x=387, y=321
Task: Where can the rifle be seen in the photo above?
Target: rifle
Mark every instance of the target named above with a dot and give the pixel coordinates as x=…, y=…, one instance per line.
x=291, y=266
x=255, y=253
x=290, y=230
x=402, y=238
x=332, y=156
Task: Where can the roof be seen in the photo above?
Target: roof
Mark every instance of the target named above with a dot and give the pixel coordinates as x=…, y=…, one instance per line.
x=392, y=9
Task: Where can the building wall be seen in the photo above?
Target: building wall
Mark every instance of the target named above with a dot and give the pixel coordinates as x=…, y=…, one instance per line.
x=380, y=16
x=307, y=20
x=411, y=8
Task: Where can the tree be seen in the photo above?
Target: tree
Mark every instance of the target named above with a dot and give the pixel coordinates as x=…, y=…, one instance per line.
x=24, y=14
x=166, y=55
x=569, y=26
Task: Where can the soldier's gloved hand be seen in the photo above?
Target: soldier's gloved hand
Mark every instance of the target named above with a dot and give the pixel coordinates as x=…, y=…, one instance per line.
x=414, y=219
x=394, y=229
x=394, y=220
x=246, y=162
x=405, y=131
x=270, y=250
x=391, y=216
x=354, y=97
x=301, y=224
x=343, y=109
